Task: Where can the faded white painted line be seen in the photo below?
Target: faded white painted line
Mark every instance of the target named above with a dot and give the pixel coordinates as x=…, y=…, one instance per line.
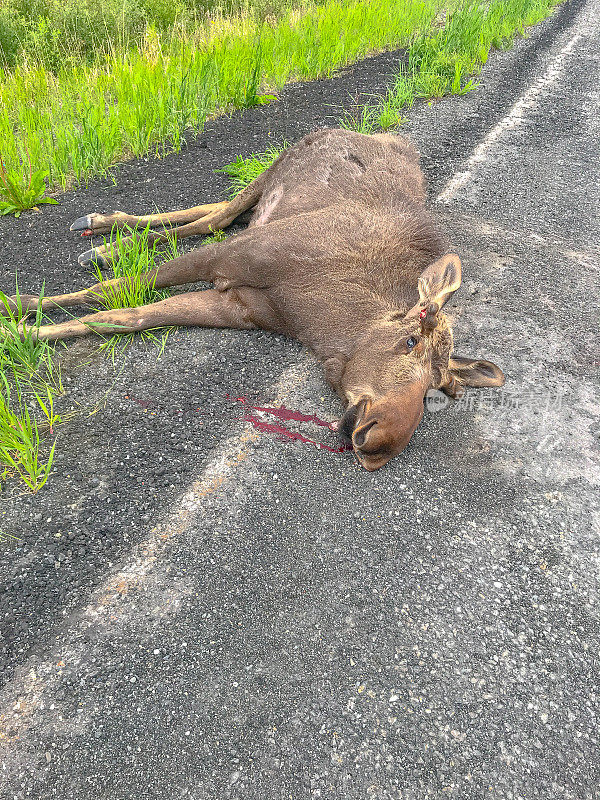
x=515, y=117
x=235, y=451
x=30, y=692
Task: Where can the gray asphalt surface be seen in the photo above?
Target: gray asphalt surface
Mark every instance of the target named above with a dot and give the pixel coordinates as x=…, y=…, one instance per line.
x=200, y=610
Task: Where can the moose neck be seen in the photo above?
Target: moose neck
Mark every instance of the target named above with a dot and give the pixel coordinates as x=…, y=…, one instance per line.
x=367, y=313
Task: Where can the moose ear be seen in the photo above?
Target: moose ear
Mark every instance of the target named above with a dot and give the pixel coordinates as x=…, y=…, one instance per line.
x=475, y=372
x=438, y=282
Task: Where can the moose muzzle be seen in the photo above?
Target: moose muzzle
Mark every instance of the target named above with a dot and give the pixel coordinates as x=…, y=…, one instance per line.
x=381, y=429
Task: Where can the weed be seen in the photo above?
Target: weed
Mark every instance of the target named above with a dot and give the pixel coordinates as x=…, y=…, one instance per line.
x=22, y=354
x=217, y=236
x=251, y=96
x=135, y=255
x=243, y=171
x=118, y=343
x=20, y=441
x=20, y=444
x=22, y=191
x=361, y=117
x=28, y=380
x=136, y=258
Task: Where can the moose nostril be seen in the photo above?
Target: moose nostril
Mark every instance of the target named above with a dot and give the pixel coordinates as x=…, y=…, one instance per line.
x=361, y=434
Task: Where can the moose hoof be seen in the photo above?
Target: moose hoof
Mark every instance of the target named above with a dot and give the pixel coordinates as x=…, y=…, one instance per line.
x=82, y=224
x=93, y=256
x=98, y=223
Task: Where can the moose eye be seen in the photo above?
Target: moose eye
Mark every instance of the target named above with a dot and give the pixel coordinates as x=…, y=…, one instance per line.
x=411, y=342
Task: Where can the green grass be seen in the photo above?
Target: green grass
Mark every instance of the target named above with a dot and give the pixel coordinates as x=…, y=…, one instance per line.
x=29, y=382
x=79, y=120
x=361, y=118
x=74, y=31
x=135, y=257
x=22, y=354
x=448, y=59
x=244, y=170
x=20, y=439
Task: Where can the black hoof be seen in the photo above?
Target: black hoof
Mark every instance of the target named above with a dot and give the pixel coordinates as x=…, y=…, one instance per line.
x=81, y=224
x=92, y=256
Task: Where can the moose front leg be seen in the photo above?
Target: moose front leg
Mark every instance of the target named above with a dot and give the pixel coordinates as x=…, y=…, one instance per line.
x=196, y=265
x=209, y=308
x=240, y=261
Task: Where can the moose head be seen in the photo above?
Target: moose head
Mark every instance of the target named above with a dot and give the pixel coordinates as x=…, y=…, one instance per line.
x=397, y=361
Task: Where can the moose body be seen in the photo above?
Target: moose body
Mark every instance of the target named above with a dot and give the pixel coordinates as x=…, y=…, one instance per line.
x=341, y=254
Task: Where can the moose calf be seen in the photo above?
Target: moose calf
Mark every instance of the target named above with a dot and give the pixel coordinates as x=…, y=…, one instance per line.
x=341, y=254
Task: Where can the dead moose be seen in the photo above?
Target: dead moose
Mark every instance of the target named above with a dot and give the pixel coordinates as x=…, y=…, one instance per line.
x=341, y=254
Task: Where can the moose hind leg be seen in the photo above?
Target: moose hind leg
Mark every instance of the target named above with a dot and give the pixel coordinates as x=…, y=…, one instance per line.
x=193, y=266
x=92, y=224
x=215, y=216
x=220, y=216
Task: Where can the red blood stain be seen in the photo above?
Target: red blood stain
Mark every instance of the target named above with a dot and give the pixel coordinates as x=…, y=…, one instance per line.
x=282, y=433
x=281, y=412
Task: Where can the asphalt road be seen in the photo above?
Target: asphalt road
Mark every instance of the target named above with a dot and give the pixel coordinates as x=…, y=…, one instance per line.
x=198, y=609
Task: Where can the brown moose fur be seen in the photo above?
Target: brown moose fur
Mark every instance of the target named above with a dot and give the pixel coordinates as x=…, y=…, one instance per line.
x=341, y=254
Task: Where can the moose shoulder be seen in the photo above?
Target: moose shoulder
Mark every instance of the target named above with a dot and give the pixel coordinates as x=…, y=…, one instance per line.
x=341, y=254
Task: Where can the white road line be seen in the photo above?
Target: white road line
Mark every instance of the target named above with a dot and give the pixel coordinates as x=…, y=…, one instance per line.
x=512, y=120
x=31, y=690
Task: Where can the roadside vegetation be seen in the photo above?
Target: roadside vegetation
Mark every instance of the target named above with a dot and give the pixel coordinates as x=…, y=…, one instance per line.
x=244, y=170
x=29, y=384
x=75, y=120
x=30, y=377
x=70, y=32
x=447, y=59
x=135, y=257
x=85, y=85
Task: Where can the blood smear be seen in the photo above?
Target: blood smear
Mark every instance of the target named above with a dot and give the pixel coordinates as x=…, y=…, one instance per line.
x=283, y=413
